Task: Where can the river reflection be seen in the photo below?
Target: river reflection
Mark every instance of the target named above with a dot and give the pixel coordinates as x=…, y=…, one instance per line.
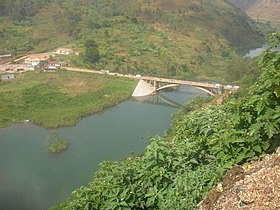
x=30, y=178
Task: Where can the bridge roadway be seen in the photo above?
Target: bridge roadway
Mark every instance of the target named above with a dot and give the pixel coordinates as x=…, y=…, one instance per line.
x=156, y=79
x=181, y=82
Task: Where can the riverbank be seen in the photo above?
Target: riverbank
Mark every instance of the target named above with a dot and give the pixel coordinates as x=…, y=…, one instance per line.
x=55, y=99
x=38, y=177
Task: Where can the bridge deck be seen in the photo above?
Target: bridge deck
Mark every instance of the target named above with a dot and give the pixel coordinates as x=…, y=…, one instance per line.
x=157, y=79
x=181, y=82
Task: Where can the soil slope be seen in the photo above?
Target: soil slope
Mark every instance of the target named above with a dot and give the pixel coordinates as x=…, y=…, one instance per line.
x=254, y=186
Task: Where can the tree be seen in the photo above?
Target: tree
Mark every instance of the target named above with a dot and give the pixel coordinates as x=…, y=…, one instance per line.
x=242, y=70
x=20, y=9
x=3, y=7
x=91, y=54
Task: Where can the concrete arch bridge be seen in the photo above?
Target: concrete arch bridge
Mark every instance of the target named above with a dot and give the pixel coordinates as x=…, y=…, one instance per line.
x=150, y=85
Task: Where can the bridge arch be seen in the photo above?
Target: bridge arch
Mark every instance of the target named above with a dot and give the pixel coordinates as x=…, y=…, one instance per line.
x=145, y=88
x=205, y=90
x=167, y=86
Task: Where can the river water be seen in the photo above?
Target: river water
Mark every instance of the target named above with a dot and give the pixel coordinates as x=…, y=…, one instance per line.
x=31, y=178
x=258, y=51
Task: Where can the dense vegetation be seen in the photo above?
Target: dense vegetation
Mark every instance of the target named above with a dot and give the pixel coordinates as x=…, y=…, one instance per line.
x=58, y=146
x=59, y=98
x=177, y=170
x=20, y=9
x=182, y=38
x=55, y=144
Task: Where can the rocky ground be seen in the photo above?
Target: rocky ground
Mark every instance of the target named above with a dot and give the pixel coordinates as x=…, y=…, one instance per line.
x=252, y=186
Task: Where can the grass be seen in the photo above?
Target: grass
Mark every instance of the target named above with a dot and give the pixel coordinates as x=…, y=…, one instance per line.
x=58, y=146
x=58, y=98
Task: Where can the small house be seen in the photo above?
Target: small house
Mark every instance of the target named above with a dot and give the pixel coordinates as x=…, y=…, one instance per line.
x=35, y=59
x=64, y=51
x=30, y=67
x=47, y=67
x=7, y=76
x=19, y=69
x=77, y=52
x=53, y=65
x=5, y=55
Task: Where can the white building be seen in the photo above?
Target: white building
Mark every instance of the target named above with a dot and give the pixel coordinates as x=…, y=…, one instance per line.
x=35, y=59
x=64, y=51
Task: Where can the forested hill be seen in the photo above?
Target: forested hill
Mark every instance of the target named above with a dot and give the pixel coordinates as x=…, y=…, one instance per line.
x=186, y=37
x=21, y=9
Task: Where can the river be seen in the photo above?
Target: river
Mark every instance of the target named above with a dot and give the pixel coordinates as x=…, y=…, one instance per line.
x=258, y=51
x=31, y=178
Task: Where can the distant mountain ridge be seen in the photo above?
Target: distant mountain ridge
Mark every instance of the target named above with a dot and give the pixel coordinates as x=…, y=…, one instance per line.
x=243, y=4
x=263, y=10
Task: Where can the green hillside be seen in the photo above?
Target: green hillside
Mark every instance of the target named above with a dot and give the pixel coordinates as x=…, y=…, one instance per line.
x=157, y=37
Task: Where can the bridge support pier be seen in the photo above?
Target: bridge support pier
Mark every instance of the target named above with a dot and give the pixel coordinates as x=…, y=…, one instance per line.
x=155, y=85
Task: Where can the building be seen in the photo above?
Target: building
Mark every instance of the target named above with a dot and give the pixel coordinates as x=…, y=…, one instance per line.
x=5, y=55
x=77, y=52
x=35, y=59
x=30, y=67
x=19, y=69
x=47, y=67
x=9, y=68
x=7, y=76
x=64, y=51
x=54, y=65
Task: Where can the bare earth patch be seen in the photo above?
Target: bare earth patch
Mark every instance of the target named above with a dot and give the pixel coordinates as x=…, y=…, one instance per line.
x=255, y=186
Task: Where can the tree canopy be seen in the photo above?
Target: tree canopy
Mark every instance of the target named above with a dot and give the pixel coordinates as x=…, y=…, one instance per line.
x=20, y=9
x=91, y=54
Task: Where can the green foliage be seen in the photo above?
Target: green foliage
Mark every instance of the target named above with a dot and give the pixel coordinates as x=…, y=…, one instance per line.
x=91, y=54
x=197, y=103
x=242, y=70
x=274, y=39
x=20, y=9
x=177, y=170
x=55, y=144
